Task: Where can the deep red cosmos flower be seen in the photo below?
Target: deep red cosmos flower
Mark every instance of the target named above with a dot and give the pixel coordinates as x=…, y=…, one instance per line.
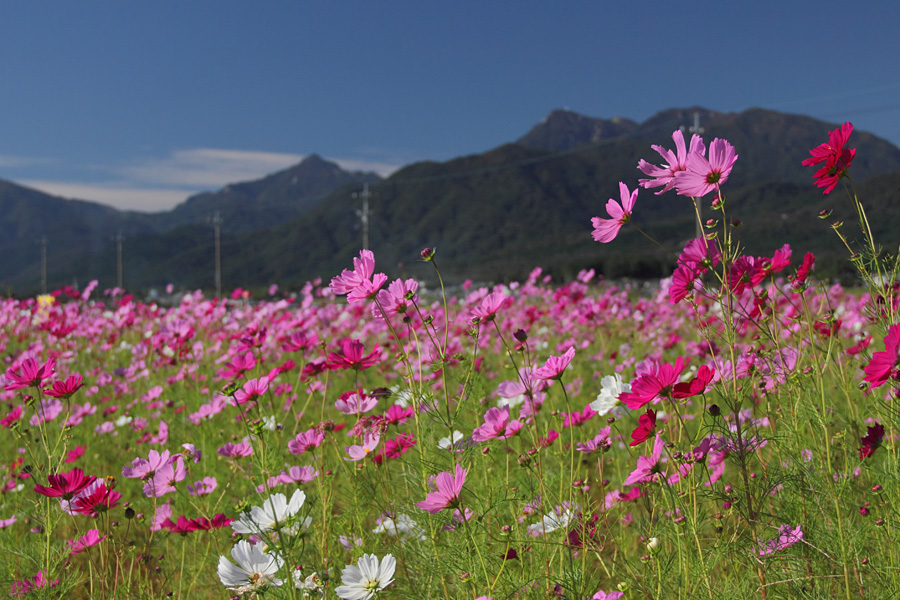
x=646, y=425
x=884, y=364
x=836, y=157
x=871, y=441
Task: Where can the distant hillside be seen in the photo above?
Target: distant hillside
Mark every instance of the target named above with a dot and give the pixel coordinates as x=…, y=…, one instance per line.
x=265, y=202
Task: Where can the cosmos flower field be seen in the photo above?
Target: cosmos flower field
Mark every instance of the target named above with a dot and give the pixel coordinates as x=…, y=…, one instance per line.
x=729, y=432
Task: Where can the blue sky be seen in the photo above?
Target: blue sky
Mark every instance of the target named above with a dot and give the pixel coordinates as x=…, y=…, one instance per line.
x=140, y=104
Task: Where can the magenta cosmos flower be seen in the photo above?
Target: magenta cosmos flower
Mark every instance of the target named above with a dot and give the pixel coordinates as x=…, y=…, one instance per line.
x=675, y=162
x=251, y=390
x=656, y=384
x=29, y=374
x=606, y=230
x=836, y=157
x=306, y=441
x=703, y=176
x=362, y=282
x=352, y=356
x=884, y=364
x=65, y=485
x=91, y=538
x=446, y=494
x=787, y=536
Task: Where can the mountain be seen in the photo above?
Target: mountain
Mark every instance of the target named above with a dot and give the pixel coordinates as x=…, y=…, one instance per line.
x=267, y=201
x=564, y=129
x=80, y=234
x=494, y=216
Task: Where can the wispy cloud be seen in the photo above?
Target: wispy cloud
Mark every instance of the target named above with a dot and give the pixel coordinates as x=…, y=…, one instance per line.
x=116, y=194
x=160, y=183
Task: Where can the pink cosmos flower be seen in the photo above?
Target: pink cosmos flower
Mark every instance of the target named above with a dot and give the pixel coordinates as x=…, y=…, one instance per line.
x=351, y=356
x=360, y=451
x=650, y=386
x=13, y=416
x=490, y=304
x=28, y=374
x=397, y=299
x=836, y=157
x=65, y=485
x=306, y=441
x=787, y=536
x=251, y=390
x=647, y=467
x=361, y=283
x=397, y=415
x=74, y=454
x=575, y=419
x=675, y=162
x=65, y=389
x=703, y=176
x=555, y=365
x=240, y=449
x=601, y=595
x=240, y=364
x=4, y=523
x=606, y=230
x=883, y=365
x=496, y=425
x=26, y=586
x=91, y=538
x=355, y=403
x=447, y=489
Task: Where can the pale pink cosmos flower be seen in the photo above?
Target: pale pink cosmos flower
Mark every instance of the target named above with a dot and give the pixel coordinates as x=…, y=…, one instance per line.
x=555, y=365
x=91, y=538
x=306, y=441
x=355, y=403
x=675, y=162
x=360, y=451
x=361, y=283
x=163, y=482
x=496, y=425
x=446, y=492
x=205, y=486
x=606, y=230
x=787, y=536
x=601, y=595
x=704, y=176
x=146, y=468
x=48, y=410
x=240, y=449
x=598, y=443
x=4, y=523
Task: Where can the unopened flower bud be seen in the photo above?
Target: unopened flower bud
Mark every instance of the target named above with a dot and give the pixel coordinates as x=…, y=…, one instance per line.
x=622, y=586
x=427, y=254
x=653, y=545
x=824, y=213
x=714, y=410
x=520, y=335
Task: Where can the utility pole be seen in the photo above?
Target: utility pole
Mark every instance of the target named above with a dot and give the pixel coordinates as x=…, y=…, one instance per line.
x=695, y=128
x=216, y=222
x=363, y=214
x=120, y=267
x=43, y=242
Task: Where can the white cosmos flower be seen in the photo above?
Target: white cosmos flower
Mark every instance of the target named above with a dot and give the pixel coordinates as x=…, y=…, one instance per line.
x=559, y=518
x=361, y=582
x=255, y=569
x=445, y=443
x=275, y=514
x=609, y=394
x=399, y=525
